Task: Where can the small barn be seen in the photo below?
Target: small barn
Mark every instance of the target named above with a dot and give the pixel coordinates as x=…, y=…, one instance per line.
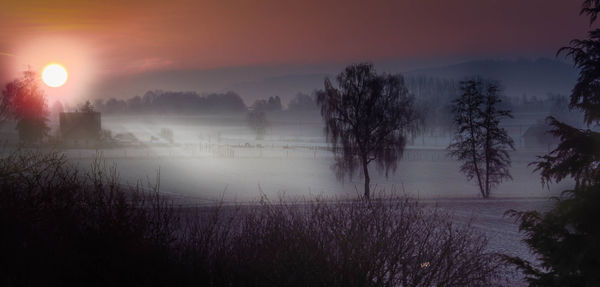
x=80, y=128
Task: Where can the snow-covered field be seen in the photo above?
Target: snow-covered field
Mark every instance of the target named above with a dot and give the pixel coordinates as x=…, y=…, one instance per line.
x=243, y=173
x=211, y=162
x=299, y=173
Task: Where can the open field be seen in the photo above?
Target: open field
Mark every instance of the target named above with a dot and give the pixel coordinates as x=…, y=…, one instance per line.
x=301, y=173
x=212, y=162
x=237, y=173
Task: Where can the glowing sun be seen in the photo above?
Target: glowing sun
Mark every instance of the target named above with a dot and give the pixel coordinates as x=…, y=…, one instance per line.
x=54, y=75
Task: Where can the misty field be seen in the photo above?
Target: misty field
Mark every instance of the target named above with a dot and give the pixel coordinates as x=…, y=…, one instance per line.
x=215, y=161
x=220, y=160
x=215, y=158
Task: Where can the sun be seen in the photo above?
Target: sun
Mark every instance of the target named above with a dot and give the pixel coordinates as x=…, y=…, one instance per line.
x=54, y=75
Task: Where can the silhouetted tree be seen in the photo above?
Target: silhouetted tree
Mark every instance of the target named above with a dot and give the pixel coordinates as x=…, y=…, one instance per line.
x=257, y=121
x=57, y=108
x=591, y=8
x=586, y=93
x=87, y=107
x=24, y=101
x=115, y=106
x=566, y=239
x=229, y=102
x=433, y=97
x=135, y=105
x=272, y=104
x=559, y=109
x=578, y=154
x=165, y=102
x=497, y=142
x=100, y=105
x=367, y=118
x=302, y=103
x=480, y=143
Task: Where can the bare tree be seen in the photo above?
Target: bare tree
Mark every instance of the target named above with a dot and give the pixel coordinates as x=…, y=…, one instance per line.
x=367, y=118
x=257, y=121
x=467, y=117
x=302, y=103
x=87, y=107
x=497, y=141
x=480, y=142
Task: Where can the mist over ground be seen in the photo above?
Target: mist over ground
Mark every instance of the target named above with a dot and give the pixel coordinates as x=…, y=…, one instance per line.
x=219, y=156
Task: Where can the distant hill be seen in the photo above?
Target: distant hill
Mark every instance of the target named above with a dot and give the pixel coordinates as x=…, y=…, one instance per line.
x=518, y=77
x=533, y=78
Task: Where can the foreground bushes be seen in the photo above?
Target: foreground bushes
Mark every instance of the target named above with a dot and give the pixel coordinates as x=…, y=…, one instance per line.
x=63, y=227
x=60, y=226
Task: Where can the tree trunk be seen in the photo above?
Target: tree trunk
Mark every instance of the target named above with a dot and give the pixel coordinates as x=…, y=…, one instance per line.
x=474, y=152
x=487, y=171
x=478, y=174
x=367, y=181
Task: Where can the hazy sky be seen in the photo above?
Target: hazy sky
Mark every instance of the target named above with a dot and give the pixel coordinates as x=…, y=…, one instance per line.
x=111, y=38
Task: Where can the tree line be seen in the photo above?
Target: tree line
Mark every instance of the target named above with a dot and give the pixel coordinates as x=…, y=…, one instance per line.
x=172, y=102
x=168, y=102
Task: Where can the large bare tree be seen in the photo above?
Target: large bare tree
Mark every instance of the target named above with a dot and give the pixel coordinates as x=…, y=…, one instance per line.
x=367, y=119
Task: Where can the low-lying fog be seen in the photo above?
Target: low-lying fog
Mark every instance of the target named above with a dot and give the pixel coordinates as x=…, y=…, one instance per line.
x=214, y=157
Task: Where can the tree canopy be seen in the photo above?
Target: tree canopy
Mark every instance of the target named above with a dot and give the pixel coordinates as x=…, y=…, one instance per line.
x=24, y=101
x=367, y=119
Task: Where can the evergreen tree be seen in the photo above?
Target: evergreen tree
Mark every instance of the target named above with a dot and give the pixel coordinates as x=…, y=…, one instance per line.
x=566, y=239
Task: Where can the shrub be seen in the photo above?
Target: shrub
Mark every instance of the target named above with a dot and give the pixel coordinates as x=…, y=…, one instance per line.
x=63, y=227
x=388, y=242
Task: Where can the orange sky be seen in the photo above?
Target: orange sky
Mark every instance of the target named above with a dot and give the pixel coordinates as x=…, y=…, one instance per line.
x=137, y=36
x=110, y=38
